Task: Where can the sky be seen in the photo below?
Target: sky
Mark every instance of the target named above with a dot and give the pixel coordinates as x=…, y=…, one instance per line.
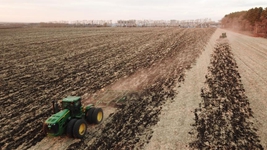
x=72, y=10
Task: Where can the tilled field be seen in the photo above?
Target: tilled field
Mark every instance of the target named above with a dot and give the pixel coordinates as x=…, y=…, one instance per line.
x=223, y=119
x=40, y=65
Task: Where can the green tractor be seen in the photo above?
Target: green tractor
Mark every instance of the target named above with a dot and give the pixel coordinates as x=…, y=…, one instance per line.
x=72, y=119
x=223, y=35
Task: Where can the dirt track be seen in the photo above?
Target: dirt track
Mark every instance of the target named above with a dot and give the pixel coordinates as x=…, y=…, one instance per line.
x=171, y=132
x=251, y=56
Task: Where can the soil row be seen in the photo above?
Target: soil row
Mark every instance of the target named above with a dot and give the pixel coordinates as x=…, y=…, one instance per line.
x=224, y=117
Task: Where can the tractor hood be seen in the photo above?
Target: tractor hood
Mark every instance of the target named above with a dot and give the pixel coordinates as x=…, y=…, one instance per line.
x=55, y=125
x=57, y=117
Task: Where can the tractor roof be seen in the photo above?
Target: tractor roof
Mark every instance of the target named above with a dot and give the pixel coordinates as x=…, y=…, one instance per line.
x=71, y=99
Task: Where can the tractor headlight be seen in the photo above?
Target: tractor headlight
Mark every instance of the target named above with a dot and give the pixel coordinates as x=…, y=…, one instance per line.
x=53, y=128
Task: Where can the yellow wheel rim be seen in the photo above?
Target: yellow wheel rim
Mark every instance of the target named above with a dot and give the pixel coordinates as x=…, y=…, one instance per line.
x=99, y=116
x=82, y=129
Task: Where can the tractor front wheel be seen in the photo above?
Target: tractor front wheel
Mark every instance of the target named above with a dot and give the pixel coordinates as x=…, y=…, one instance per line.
x=79, y=129
x=89, y=114
x=70, y=127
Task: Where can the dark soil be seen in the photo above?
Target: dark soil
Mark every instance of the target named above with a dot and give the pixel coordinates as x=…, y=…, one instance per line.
x=41, y=65
x=223, y=119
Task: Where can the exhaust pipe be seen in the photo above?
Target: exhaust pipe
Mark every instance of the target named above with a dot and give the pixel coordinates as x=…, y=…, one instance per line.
x=55, y=107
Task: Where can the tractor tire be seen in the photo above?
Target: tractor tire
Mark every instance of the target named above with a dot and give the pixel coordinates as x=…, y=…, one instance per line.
x=70, y=128
x=98, y=115
x=79, y=129
x=89, y=114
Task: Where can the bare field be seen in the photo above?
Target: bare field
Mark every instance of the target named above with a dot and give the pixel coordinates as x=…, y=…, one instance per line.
x=40, y=65
x=158, y=71
x=174, y=129
x=171, y=131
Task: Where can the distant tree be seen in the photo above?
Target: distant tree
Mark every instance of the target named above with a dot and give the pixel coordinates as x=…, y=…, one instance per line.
x=236, y=14
x=253, y=15
x=264, y=14
x=254, y=20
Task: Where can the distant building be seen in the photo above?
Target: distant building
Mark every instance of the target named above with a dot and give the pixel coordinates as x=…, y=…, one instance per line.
x=174, y=23
x=126, y=23
x=215, y=25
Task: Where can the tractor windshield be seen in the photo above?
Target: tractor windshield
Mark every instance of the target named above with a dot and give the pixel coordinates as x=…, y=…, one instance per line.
x=68, y=105
x=65, y=105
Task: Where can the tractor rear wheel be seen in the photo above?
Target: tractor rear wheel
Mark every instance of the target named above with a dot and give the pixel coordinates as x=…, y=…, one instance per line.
x=70, y=127
x=79, y=129
x=97, y=115
x=89, y=114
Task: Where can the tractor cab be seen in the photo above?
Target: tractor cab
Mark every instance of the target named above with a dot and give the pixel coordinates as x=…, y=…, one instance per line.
x=223, y=35
x=73, y=104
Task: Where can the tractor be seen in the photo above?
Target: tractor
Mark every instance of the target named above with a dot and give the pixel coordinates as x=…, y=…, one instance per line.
x=72, y=119
x=223, y=35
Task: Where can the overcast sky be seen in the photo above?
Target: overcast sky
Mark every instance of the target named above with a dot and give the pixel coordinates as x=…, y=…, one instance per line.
x=71, y=10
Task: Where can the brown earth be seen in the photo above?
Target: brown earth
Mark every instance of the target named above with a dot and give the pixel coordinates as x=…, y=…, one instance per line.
x=223, y=118
x=41, y=65
x=177, y=118
x=251, y=56
x=137, y=70
x=130, y=126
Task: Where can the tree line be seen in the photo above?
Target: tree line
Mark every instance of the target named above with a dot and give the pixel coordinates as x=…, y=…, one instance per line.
x=254, y=20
